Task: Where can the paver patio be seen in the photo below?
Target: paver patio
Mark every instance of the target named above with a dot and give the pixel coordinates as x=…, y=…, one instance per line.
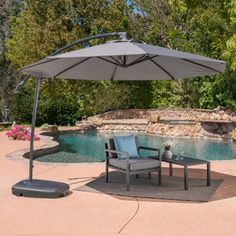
x=83, y=213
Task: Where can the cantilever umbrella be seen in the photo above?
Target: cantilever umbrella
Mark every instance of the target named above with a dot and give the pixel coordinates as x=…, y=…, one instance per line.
x=125, y=60
x=115, y=60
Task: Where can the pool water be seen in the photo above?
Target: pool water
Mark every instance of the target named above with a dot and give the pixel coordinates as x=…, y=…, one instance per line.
x=89, y=147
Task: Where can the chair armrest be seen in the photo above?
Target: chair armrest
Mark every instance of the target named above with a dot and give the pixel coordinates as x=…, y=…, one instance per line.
x=152, y=149
x=126, y=154
x=117, y=152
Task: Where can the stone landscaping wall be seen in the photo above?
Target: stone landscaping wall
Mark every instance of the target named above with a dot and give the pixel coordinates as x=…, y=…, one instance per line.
x=123, y=126
x=217, y=123
x=169, y=114
x=223, y=131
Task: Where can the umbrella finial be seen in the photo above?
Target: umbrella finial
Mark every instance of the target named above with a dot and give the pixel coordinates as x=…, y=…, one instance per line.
x=123, y=36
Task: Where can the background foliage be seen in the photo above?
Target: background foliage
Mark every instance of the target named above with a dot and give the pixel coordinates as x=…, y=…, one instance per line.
x=32, y=29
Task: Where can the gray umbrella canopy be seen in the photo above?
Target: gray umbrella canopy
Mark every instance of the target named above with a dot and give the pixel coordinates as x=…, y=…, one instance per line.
x=126, y=60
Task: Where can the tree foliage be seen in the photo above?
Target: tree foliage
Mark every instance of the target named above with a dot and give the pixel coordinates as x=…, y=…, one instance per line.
x=46, y=25
x=8, y=76
x=204, y=27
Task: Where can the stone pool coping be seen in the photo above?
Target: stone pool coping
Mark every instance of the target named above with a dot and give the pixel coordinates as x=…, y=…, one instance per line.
x=48, y=147
x=51, y=146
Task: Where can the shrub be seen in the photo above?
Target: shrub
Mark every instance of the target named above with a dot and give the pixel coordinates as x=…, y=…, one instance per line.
x=20, y=132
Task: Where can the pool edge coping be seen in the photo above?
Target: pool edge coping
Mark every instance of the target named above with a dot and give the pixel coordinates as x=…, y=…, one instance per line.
x=51, y=146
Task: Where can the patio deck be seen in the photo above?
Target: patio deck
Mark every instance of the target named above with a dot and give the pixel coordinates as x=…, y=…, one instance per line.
x=83, y=213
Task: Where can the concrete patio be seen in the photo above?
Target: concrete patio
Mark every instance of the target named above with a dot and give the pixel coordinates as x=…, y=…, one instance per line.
x=83, y=213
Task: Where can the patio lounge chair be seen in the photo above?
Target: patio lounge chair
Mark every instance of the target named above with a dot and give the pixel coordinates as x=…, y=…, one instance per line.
x=122, y=154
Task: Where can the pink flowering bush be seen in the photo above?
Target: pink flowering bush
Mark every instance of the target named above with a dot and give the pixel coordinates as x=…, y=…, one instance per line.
x=20, y=132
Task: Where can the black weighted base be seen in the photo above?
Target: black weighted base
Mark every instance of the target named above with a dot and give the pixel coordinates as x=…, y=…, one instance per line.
x=40, y=189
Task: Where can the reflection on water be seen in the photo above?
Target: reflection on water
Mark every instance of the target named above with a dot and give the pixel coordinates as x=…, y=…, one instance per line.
x=89, y=147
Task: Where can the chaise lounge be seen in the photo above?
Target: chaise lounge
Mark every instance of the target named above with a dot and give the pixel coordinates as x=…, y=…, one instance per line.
x=123, y=154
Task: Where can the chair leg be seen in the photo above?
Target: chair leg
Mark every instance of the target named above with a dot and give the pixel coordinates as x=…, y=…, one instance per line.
x=107, y=173
x=127, y=180
x=159, y=175
x=149, y=175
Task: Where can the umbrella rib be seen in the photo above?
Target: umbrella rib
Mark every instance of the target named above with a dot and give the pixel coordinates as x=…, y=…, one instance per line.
x=141, y=59
x=113, y=73
x=76, y=64
x=121, y=61
x=169, y=74
x=115, y=60
x=40, y=63
x=124, y=60
x=207, y=67
x=117, y=64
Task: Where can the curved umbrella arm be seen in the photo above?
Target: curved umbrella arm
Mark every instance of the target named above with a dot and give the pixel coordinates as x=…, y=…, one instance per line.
x=123, y=37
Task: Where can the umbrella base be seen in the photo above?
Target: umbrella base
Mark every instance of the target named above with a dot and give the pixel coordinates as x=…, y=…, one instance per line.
x=40, y=189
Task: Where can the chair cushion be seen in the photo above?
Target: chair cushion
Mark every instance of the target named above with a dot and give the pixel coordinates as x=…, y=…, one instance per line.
x=135, y=163
x=126, y=143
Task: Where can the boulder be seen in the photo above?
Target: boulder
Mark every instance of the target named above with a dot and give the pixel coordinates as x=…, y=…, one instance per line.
x=221, y=113
x=225, y=117
x=50, y=128
x=154, y=118
x=233, y=136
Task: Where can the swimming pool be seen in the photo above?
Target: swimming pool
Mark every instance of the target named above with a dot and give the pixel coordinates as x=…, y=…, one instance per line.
x=89, y=147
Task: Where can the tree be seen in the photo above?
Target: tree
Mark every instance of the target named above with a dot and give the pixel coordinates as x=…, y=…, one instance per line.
x=46, y=25
x=229, y=86
x=201, y=27
x=156, y=22
x=8, y=76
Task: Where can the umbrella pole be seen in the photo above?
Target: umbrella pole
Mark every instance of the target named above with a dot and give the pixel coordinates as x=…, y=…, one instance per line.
x=37, y=187
x=31, y=157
